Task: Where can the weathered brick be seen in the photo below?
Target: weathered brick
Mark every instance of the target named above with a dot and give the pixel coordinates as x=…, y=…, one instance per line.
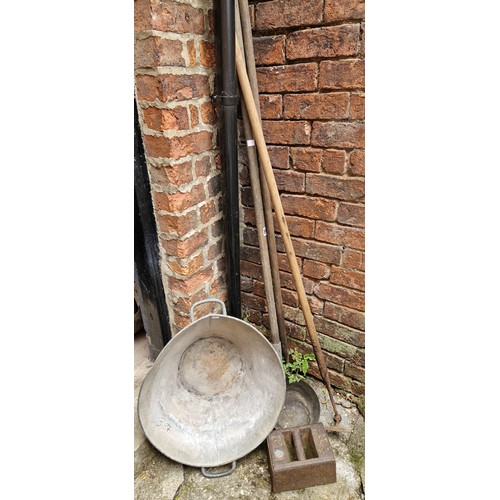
x=316, y=270
x=354, y=259
x=249, y=216
x=316, y=106
x=218, y=287
x=290, y=298
x=214, y=185
x=208, y=115
x=216, y=228
x=202, y=166
x=208, y=211
x=207, y=54
x=247, y=284
x=298, y=226
x=178, y=225
x=353, y=371
x=306, y=159
x=356, y=163
x=178, y=147
x=294, y=331
x=362, y=41
x=283, y=262
x=252, y=254
x=333, y=161
x=337, y=10
x=215, y=250
x=352, y=215
x=147, y=87
x=315, y=250
x=347, y=74
x=340, y=235
x=186, y=247
x=190, y=284
x=269, y=50
x=246, y=196
x=290, y=78
x=270, y=106
x=347, y=384
x=312, y=208
x=189, y=266
x=290, y=182
x=287, y=13
x=194, y=113
x=177, y=17
x=142, y=16
x=183, y=304
x=254, y=302
x=357, y=111
x=178, y=174
x=153, y=52
x=316, y=305
x=338, y=135
x=348, y=278
x=166, y=119
x=278, y=156
x=343, y=315
x=251, y=270
x=287, y=281
x=294, y=315
x=180, y=321
x=253, y=316
x=337, y=347
x=340, y=295
x=334, y=187
x=340, y=332
x=171, y=87
x=191, y=50
x=178, y=202
x=285, y=132
x=330, y=41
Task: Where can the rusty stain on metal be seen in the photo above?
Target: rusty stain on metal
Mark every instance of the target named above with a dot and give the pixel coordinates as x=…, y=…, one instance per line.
x=300, y=457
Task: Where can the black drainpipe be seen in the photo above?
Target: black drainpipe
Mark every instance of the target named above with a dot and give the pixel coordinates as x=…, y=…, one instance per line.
x=227, y=100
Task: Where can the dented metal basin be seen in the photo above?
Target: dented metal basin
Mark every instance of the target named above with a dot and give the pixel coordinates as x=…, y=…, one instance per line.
x=213, y=394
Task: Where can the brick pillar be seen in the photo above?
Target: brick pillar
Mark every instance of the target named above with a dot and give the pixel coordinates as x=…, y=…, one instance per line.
x=174, y=77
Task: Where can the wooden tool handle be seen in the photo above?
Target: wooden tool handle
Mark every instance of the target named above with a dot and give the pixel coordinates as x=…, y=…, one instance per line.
x=280, y=216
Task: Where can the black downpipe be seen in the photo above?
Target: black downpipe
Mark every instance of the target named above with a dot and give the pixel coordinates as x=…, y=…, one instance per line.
x=227, y=99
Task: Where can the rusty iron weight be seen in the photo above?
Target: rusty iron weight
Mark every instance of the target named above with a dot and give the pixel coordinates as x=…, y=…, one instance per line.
x=280, y=216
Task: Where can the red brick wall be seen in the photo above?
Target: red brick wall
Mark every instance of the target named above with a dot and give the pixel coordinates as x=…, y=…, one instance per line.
x=174, y=75
x=310, y=57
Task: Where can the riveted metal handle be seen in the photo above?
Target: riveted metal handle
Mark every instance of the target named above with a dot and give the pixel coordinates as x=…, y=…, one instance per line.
x=191, y=311
x=211, y=475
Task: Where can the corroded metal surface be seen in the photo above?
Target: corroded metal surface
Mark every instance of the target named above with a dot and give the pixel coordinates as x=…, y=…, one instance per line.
x=213, y=394
x=300, y=457
x=301, y=406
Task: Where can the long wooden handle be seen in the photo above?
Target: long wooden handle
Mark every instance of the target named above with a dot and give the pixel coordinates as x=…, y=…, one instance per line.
x=280, y=216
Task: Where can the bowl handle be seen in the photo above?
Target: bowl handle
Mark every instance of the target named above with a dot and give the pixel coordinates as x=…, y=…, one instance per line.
x=211, y=475
x=191, y=311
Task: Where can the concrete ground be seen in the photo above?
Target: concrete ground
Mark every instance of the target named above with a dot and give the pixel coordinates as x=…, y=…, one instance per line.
x=157, y=477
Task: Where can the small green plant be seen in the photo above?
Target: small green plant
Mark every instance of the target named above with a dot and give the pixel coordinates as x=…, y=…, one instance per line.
x=296, y=369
